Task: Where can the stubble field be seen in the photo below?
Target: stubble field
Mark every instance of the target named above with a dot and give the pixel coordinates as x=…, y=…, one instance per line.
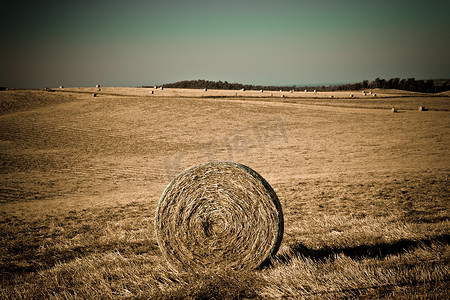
x=364, y=191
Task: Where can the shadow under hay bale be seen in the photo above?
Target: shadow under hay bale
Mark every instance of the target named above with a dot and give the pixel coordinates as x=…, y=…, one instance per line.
x=381, y=250
x=218, y=215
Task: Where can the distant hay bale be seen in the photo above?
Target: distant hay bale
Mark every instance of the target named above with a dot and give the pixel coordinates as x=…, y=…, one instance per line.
x=331, y=96
x=97, y=86
x=205, y=89
x=152, y=92
x=243, y=90
x=306, y=91
x=421, y=108
x=351, y=95
x=61, y=86
x=394, y=110
x=94, y=95
x=261, y=91
x=218, y=215
x=374, y=95
x=291, y=91
x=161, y=88
x=315, y=91
x=282, y=96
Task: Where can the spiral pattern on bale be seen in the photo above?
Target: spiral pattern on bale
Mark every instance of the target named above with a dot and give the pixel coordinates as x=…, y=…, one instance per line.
x=218, y=215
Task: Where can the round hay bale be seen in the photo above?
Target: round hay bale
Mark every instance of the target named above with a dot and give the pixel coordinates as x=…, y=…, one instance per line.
x=218, y=215
x=94, y=95
x=421, y=108
x=394, y=110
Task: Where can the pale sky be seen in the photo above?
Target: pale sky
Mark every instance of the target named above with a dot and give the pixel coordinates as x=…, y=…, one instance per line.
x=285, y=42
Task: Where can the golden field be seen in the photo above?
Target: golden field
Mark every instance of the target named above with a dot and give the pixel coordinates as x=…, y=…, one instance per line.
x=364, y=190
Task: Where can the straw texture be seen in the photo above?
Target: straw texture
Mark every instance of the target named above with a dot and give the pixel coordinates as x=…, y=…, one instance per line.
x=218, y=215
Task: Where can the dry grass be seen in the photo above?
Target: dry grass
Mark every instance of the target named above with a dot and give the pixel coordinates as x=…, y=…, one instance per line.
x=364, y=194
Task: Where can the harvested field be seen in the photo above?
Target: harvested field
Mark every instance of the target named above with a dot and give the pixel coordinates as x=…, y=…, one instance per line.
x=364, y=191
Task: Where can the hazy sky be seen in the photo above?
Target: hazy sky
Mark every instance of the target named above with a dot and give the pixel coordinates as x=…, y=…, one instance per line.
x=133, y=43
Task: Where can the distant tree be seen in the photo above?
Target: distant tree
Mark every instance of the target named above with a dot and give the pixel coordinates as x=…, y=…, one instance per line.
x=403, y=85
x=396, y=83
x=411, y=84
x=429, y=86
x=365, y=84
x=376, y=84
x=390, y=84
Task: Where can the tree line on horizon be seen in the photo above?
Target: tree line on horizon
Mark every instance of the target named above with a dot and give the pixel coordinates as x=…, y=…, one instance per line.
x=410, y=84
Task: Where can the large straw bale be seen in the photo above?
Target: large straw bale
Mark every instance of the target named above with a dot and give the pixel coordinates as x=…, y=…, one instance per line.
x=218, y=215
